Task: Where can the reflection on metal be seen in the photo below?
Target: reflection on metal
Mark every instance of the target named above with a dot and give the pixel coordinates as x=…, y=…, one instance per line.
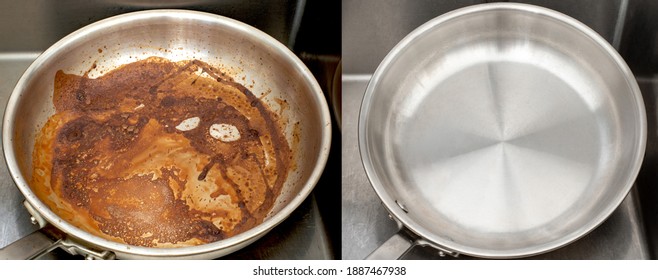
x=619, y=26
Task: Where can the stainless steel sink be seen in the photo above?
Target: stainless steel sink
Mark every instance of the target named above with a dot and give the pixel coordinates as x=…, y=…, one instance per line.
x=371, y=28
x=28, y=28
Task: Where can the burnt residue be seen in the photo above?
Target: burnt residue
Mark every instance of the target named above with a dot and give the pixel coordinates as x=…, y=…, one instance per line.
x=120, y=160
x=281, y=154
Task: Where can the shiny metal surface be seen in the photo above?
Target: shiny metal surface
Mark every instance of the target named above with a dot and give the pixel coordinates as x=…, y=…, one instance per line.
x=27, y=246
x=177, y=35
x=621, y=236
x=398, y=245
x=505, y=130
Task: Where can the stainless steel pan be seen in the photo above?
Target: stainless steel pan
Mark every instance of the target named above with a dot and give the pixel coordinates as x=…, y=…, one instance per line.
x=242, y=51
x=500, y=131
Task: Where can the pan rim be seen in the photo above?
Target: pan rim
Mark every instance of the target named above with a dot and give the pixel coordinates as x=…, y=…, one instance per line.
x=400, y=215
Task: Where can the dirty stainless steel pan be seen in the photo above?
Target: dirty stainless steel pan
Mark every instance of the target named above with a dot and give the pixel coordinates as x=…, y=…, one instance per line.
x=243, y=52
x=500, y=131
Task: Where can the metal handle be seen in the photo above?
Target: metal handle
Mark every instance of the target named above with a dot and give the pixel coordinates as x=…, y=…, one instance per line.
x=38, y=244
x=26, y=247
x=395, y=247
x=403, y=241
x=74, y=248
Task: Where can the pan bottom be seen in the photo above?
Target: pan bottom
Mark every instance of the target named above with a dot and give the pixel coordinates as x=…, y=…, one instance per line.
x=500, y=151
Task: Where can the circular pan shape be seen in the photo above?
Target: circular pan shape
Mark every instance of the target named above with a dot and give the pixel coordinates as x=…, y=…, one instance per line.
x=233, y=46
x=507, y=130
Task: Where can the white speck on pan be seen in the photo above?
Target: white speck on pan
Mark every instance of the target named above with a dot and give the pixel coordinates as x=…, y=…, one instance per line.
x=224, y=132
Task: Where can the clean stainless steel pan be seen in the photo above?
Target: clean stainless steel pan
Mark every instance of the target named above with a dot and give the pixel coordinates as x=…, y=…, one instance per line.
x=500, y=131
x=272, y=72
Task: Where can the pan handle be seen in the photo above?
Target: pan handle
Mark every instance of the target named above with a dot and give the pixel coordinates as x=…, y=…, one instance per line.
x=35, y=244
x=401, y=243
x=395, y=247
x=38, y=244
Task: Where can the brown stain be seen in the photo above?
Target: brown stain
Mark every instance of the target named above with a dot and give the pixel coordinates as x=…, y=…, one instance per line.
x=295, y=145
x=112, y=162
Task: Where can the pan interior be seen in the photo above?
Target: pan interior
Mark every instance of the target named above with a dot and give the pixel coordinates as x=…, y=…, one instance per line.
x=502, y=133
x=242, y=53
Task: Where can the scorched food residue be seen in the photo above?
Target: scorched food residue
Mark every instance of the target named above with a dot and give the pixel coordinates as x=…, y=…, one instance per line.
x=160, y=154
